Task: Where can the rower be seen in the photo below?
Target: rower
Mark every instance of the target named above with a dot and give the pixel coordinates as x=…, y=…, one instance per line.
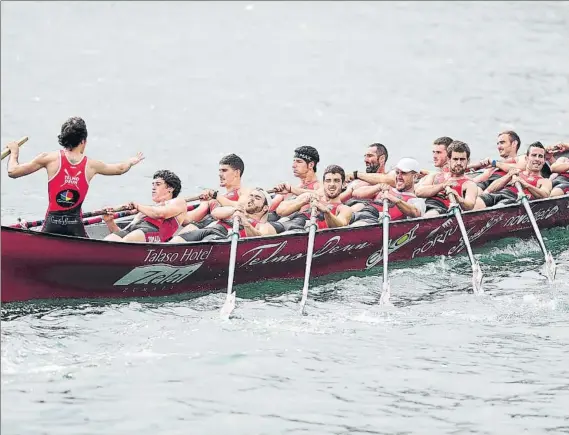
x=69, y=173
x=440, y=155
x=403, y=203
x=231, y=168
x=560, y=171
x=375, y=160
x=304, y=164
x=155, y=223
x=332, y=213
x=434, y=186
x=508, y=145
x=503, y=191
x=252, y=220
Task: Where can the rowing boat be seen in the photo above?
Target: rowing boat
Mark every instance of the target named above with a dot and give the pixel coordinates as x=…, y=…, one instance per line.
x=37, y=265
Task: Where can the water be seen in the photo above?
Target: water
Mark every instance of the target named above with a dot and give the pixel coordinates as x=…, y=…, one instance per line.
x=188, y=82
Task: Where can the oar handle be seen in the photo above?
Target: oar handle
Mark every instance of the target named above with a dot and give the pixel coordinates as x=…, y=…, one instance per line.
x=7, y=151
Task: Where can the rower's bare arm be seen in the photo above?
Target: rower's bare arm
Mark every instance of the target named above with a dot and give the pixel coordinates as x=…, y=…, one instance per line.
x=424, y=186
x=299, y=191
x=561, y=165
x=174, y=208
x=429, y=190
x=16, y=170
x=483, y=176
x=366, y=192
x=243, y=198
x=377, y=178
x=342, y=219
x=408, y=209
x=99, y=167
x=499, y=184
x=470, y=195
x=290, y=206
x=543, y=189
x=223, y=212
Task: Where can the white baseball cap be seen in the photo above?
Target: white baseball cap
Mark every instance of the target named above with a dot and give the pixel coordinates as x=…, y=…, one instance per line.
x=407, y=164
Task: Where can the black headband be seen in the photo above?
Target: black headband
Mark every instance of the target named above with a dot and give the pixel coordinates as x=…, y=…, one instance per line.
x=304, y=157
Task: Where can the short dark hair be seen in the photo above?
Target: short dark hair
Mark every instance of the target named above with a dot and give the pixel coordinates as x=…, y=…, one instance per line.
x=381, y=150
x=233, y=161
x=459, y=147
x=334, y=169
x=308, y=154
x=443, y=140
x=171, y=179
x=73, y=132
x=537, y=144
x=513, y=137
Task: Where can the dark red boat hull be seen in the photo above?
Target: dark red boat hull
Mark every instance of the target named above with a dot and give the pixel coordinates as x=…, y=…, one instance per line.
x=45, y=266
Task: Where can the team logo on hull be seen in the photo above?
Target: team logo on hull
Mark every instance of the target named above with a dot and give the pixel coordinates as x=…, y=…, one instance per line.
x=157, y=275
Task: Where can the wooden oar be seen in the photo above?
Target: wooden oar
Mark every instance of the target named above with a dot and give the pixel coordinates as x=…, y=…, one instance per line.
x=7, y=151
x=386, y=291
x=550, y=266
x=311, y=237
x=229, y=304
x=476, y=271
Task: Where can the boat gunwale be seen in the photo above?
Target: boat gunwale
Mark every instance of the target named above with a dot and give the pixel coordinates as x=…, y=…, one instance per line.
x=395, y=223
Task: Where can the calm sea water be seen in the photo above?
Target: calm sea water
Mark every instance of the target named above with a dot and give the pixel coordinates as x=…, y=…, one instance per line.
x=189, y=82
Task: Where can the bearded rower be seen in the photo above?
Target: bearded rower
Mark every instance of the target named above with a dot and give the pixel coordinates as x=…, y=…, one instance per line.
x=504, y=191
x=154, y=223
x=231, y=168
x=375, y=160
x=560, y=171
x=403, y=203
x=252, y=220
x=69, y=173
x=304, y=167
x=332, y=213
x=434, y=186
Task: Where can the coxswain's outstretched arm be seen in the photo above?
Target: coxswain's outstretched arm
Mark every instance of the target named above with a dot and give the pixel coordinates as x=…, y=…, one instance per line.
x=174, y=208
x=99, y=167
x=16, y=170
x=561, y=165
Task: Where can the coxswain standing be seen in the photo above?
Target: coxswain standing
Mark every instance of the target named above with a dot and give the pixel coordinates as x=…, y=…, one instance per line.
x=69, y=173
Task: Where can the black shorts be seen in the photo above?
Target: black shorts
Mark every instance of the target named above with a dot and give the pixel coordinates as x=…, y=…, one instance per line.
x=435, y=204
x=216, y=232
x=273, y=216
x=65, y=223
x=484, y=184
x=503, y=197
x=144, y=226
x=207, y=220
x=560, y=182
x=296, y=222
x=368, y=214
x=354, y=201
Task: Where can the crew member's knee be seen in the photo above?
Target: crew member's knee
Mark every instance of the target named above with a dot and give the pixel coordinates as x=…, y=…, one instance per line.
x=135, y=236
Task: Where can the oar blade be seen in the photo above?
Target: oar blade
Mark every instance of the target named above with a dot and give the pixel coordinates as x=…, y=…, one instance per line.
x=385, y=294
x=228, y=306
x=550, y=268
x=477, y=277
